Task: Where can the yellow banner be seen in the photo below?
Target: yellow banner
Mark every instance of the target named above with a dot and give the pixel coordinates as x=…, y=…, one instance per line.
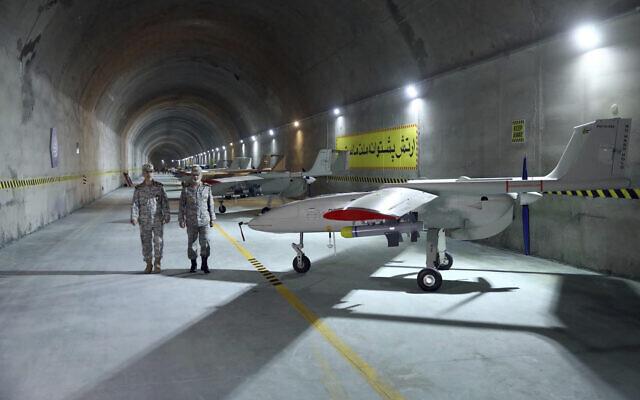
x=387, y=148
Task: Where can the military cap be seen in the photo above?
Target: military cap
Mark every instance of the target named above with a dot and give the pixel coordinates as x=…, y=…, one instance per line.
x=147, y=168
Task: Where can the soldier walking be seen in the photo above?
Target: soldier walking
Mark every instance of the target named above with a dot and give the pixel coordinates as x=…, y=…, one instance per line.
x=197, y=215
x=150, y=209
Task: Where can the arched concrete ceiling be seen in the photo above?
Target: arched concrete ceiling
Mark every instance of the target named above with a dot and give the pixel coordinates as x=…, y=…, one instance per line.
x=191, y=75
x=191, y=115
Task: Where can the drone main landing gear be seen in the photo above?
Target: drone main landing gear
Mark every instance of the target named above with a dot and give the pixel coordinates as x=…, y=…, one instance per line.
x=443, y=259
x=301, y=262
x=429, y=278
x=222, y=208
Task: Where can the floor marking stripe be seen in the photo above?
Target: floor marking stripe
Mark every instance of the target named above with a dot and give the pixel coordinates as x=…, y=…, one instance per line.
x=331, y=381
x=368, y=372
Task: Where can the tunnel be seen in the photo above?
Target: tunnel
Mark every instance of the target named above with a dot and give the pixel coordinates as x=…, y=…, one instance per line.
x=95, y=93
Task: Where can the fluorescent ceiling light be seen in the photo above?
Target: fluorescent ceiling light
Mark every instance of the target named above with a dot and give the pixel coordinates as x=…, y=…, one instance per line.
x=587, y=37
x=411, y=91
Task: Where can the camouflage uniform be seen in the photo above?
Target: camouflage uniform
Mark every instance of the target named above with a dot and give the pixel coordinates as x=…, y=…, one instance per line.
x=150, y=208
x=197, y=213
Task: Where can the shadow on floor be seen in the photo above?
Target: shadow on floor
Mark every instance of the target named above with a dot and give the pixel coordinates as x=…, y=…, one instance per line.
x=67, y=273
x=600, y=318
x=121, y=221
x=504, y=271
x=227, y=275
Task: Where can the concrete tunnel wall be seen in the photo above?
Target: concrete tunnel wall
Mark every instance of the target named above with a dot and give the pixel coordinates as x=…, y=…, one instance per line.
x=153, y=80
x=29, y=108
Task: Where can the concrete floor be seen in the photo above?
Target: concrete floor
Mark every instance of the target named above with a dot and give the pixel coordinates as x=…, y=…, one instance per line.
x=78, y=320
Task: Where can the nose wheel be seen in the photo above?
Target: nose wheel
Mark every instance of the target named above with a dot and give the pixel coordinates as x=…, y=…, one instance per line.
x=222, y=209
x=301, y=264
x=429, y=279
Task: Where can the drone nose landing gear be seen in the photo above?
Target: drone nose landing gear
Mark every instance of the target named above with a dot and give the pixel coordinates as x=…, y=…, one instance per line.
x=301, y=262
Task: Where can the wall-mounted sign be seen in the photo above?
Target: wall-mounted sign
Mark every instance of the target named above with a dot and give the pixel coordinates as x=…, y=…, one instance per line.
x=395, y=148
x=518, y=131
x=53, y=148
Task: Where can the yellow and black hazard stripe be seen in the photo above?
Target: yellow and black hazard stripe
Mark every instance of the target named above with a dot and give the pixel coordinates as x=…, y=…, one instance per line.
x=268, y=275
x=367, y=179
x=23, y=183
x=622, y=193
x=29, y=182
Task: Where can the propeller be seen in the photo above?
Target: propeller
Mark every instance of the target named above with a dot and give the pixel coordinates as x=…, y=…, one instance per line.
x=525, y=213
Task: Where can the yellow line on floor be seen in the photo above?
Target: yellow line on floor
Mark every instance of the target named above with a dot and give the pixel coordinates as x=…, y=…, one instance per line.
x=369, y=373
x=331, y=381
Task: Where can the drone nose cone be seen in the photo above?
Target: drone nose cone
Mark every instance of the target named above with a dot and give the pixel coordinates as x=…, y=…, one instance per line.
x=260, y=223
x=252, y=223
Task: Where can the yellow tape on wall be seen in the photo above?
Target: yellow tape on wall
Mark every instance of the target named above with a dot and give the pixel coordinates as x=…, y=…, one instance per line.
x=395, y=148
x=367, y=179
x=622, y=193
x=28, y=182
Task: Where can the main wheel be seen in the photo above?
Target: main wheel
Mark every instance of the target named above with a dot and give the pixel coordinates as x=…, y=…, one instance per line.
x=429, y=279
x=265, y=210
x=222, y=209
x=448, y=262
x=306, y=265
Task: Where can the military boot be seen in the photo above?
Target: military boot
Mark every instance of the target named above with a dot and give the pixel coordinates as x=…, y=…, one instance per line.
x=194, y=265
x=156, y=266
x=149, y=267
x=204, y=267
